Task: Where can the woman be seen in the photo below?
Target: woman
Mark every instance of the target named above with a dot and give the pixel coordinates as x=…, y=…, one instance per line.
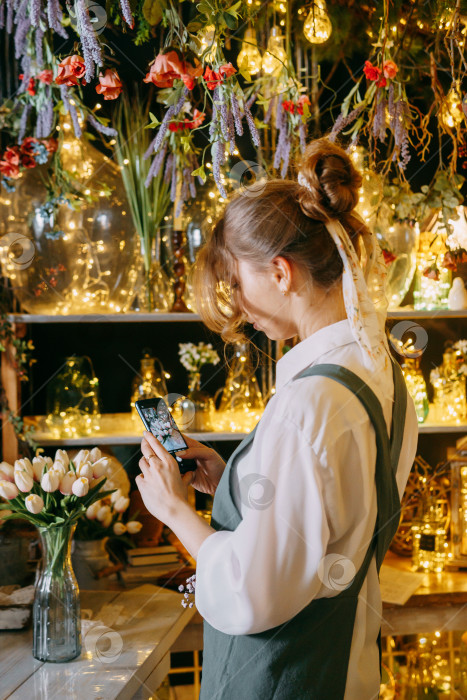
x=304, y=511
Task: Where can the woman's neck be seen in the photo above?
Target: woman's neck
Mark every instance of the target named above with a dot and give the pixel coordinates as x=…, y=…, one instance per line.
x=323, y=309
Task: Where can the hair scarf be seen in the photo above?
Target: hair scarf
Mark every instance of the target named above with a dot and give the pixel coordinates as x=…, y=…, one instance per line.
x=364, y=292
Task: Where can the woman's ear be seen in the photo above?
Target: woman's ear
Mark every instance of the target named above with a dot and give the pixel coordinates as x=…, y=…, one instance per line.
x=282, y=271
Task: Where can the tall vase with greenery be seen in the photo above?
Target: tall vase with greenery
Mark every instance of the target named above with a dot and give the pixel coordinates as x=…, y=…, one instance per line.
x=148, y=205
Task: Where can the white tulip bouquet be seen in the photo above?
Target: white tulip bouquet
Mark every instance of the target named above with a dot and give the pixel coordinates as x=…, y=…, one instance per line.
x=51, y=493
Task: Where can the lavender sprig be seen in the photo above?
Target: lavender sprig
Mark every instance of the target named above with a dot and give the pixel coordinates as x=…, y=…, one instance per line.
x=23, y=122
x=2, y=15
x=54, y=16
x=71, y=109
x=35, y=11
x=9, y=16
x=127, y=14
x=173, y=182
x=271, y=104
x=156, y=165
x=22, y=29
x=302, y=136
x=252, y=126
x=168, y=168
x=222, y=107
x=341, y=122
x=38, y=37
x=92, y=52
x=236, y=114
x=218, y=156
x=101, y=128
x=172, y=111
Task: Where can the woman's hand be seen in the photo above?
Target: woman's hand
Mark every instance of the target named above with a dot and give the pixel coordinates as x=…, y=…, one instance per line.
x=161, y=485
x=209, y=465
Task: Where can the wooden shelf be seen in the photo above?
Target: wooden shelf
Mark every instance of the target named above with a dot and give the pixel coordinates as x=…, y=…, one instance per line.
x=115, y=429
x=104, y=318
x=409, y=312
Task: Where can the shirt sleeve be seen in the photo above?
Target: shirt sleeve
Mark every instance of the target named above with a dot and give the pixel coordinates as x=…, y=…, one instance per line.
x=266, y=571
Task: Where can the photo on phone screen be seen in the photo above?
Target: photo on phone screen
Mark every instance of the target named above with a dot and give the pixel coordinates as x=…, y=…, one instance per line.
x=163, y=427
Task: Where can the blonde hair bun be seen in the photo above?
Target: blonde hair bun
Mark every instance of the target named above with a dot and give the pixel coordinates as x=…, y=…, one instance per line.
x=331, y=181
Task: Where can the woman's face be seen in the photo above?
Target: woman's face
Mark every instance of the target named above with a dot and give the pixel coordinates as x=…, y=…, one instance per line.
x=260, y=297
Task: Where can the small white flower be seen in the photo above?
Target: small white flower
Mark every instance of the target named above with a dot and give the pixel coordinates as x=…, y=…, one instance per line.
x=24, y=465
x=60, y=468
x=50, y=481
x=99, y=467
x=85, y=469
x=95, y=454
x=121, y=504
x=116, y=495
x=8, y=490
x=66, y=483
x=62, y=456
x=39, y=465
x=6, y=472
x=34, y=503
x=24, y=481
x=133, y=527
x=82, y=457
x=80, y=486
x=119, y=528
x=92, y=510
x=103, y=512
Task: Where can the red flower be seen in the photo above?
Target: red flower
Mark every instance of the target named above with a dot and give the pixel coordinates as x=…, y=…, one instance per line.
x=169, y=66
x=198, y=119
x=9, y=169
x=302, y=101
x=215, y=78
x=31, y=88
x=110, y=84
x=390, y=69
x=388, y=256
x=11, y=155
x=28, y=146
x=226, y=70
x=381, y=82
x=431, y=272
x=371, y=71
x=70, y=70
x=45, y=76
x=50, y=144
x=28, y=161
x=289, y=106
x=176, y=126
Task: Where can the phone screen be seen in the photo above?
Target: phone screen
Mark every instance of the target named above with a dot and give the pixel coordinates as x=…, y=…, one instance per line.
x=161, y=424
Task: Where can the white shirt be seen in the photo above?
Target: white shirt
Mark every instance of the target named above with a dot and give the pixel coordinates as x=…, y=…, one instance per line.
x=305, y=487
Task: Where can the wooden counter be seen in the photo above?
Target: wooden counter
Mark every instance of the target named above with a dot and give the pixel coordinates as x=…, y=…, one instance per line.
x=130, y=660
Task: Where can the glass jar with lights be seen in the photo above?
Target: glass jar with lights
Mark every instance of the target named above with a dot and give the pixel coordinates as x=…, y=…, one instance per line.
x=416, y=385
x=448, y=381
x=429, y=544
x=275, y=57
x=149, y=383
x=317, y=28
x=451, y=113
x=432, y=284
x=84, y=259
x=241, y=405
x=73, y=400
x=249, y=58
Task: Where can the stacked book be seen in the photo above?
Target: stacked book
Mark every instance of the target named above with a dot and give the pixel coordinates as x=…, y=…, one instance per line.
x=147, y=563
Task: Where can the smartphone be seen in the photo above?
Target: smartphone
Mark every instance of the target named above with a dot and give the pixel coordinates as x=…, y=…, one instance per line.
x=158, y=420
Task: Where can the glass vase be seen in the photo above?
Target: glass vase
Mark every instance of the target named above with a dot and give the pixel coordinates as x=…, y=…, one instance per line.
x=429, y=549
x=429, y=292
x=153, y=286
x=195, y=412
x=149, y=383
x=56, y=609
x=242, y=404
x=73, y=400
x=416, y=386
x=449, y=397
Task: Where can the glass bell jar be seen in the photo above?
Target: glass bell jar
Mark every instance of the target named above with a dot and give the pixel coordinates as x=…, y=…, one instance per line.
x=431, y=287
x=73, y=400
x=241, y=405
x=149, y=383
x=77, y=260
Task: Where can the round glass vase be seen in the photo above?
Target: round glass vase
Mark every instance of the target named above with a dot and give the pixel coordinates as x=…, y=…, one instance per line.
x=199, y=405
x=56, y=608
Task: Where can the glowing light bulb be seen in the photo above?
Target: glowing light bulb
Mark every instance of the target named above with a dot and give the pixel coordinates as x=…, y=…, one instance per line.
x=249, y=57
x=207, y=43
x=451, y=113
x=275, y=56
x=317, y=28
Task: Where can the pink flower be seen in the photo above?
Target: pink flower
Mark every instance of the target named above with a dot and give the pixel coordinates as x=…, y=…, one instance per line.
x=390, y=69
x=9, y=170
x=110, y=84
x=371, y=71
x=302, y=101
x=11, y=155
x=8, y=490
x=70, y=70
x=227, y=70
x=169, y=66
x=45, y=76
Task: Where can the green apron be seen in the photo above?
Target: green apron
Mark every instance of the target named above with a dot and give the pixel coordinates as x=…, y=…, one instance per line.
x=307, y=657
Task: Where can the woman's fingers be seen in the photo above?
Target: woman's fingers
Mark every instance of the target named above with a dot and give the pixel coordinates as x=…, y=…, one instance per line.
x=144, y=466
x=155, y=445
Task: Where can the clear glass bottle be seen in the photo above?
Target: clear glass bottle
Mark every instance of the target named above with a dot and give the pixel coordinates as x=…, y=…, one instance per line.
x=73, y=400
x=56, y=608
x=429, y=545
x=431, y=293
x=149, y=383
x=242, y=404
x=416, y=386
x=449, y=400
